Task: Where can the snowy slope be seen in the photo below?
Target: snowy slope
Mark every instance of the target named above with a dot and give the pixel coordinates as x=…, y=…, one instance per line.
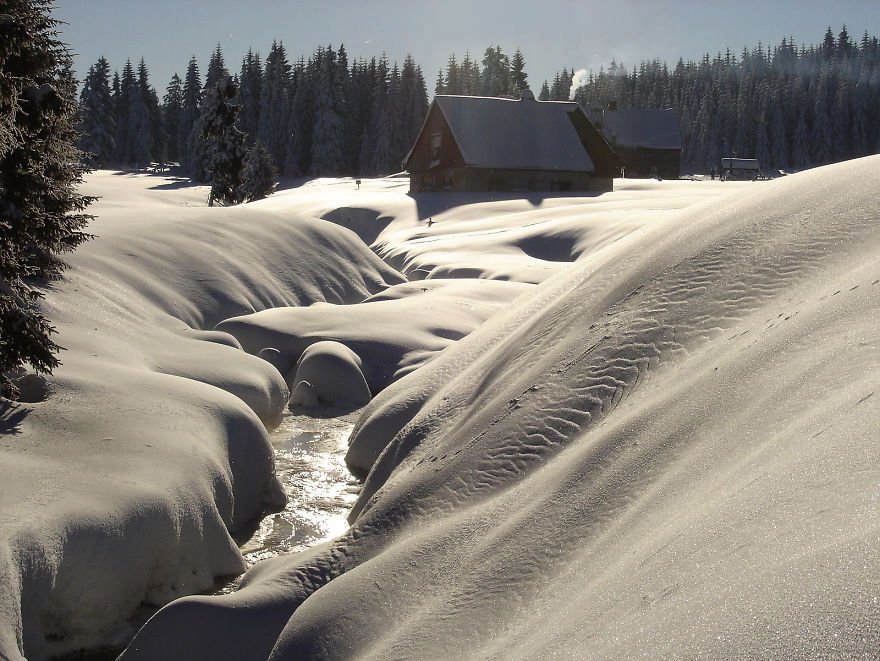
x=667, y=449
x=123, y=484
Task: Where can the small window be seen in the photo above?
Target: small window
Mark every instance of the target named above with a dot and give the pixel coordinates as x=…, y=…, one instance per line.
x=436, y=143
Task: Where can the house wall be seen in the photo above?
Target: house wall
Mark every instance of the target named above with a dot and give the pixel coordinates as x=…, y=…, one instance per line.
x=603, y=155
x=421, y=158
x=665, y=163
x=513, y=181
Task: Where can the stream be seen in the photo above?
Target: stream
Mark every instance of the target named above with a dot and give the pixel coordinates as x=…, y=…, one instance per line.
x=310, y=464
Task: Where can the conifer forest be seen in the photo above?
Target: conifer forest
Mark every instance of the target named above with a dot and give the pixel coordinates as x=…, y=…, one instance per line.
x=790, y=106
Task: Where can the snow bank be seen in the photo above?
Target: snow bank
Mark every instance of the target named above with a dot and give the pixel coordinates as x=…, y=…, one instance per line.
x=392, y=333
x=667, y=449
x=122, y=481
x=329, y=374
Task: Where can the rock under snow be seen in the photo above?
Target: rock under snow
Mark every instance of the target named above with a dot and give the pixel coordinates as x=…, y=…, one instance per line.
x=333, y=375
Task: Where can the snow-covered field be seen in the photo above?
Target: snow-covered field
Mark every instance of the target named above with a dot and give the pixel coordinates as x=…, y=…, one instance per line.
x=637, y=424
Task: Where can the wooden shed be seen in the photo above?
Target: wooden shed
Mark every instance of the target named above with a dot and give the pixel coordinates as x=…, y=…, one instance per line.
x=647, y=142
x=740, y=168
x=470, y=143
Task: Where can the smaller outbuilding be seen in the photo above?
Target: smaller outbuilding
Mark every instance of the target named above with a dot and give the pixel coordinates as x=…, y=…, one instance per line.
x=647, y=142
x=471, y=143
x=740, y=168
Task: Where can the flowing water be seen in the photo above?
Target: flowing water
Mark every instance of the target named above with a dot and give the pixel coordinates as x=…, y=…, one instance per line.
x=309, y=462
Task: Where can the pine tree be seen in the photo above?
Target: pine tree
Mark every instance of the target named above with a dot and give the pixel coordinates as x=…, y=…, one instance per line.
x=800, y=147
x=172, y=111
x=496, y=72
x=217, y=127
x=328, y=152
x=216, y=69
x=192, y=99
x=97, y=122
x=146, y=132
x=41, y=213
x=203, y=146
x=274, y=129
x=301, y=119
x=544, y=94
x=471, y=80
x=440, y=85
x=357, y=120
x=259, y=177
x=123, y=99
x=823, y=96
x=779, y=158
x=376, y=154
x=412, y=104
x=454, y=83
x=250, y=92
x=518, y=76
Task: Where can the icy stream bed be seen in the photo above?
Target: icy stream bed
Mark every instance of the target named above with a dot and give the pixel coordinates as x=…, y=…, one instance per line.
x=310, y=463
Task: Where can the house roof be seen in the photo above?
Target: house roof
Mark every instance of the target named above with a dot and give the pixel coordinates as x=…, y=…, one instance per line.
x=637, y=127
x=740, y=163
x=527, y=134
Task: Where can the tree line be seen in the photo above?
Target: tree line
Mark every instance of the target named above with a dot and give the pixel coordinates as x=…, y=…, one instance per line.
x=314, y=117
x=790, y=107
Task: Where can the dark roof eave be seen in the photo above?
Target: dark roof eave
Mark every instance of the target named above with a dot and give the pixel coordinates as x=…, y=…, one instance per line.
x=524, y=168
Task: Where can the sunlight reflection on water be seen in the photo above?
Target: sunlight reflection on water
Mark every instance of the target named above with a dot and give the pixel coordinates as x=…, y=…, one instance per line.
x=309, y=462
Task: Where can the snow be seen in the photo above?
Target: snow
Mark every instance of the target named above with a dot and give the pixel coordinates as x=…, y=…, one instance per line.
x=150, y=445
x=646, y=428
x=329, y=373
x=502, y=133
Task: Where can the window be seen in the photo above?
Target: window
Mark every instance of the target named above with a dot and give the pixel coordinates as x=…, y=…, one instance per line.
x=436, y=142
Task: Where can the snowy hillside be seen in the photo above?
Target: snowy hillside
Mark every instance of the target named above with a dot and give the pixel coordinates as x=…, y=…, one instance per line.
x=641, y=424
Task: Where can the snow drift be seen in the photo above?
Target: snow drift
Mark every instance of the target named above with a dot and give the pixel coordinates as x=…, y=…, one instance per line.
x=122, y=479
x=667, y=449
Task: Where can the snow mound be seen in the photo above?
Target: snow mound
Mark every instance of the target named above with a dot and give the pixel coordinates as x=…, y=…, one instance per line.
x=125, y=473
x=393, y=332
x=667, y=449
x=333, y=375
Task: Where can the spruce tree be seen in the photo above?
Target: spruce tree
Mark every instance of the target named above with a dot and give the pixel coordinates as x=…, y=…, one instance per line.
x=97, y=123
x=201, y=145
x=544, y=94
x=172, y=111
x=249, y=91
x=453, y=83
x=496, y=72
x=413, y=104
x=124, y=97
x=192, y=99
x=273, y=126
x=328, y=152
x=440, y=86
x=518, y=76
x=216, y=69
x=157, y=137
x=217, y=127
x=357, y=119
x=41, y=213
x=376, y=151
x=259, y=176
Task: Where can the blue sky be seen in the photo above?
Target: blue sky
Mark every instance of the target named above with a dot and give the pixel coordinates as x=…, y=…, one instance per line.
x=552, y=34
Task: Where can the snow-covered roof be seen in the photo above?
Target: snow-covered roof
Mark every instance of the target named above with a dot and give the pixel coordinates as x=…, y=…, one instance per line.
x=637, y=127
x=527, y=134
x=740, y=163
